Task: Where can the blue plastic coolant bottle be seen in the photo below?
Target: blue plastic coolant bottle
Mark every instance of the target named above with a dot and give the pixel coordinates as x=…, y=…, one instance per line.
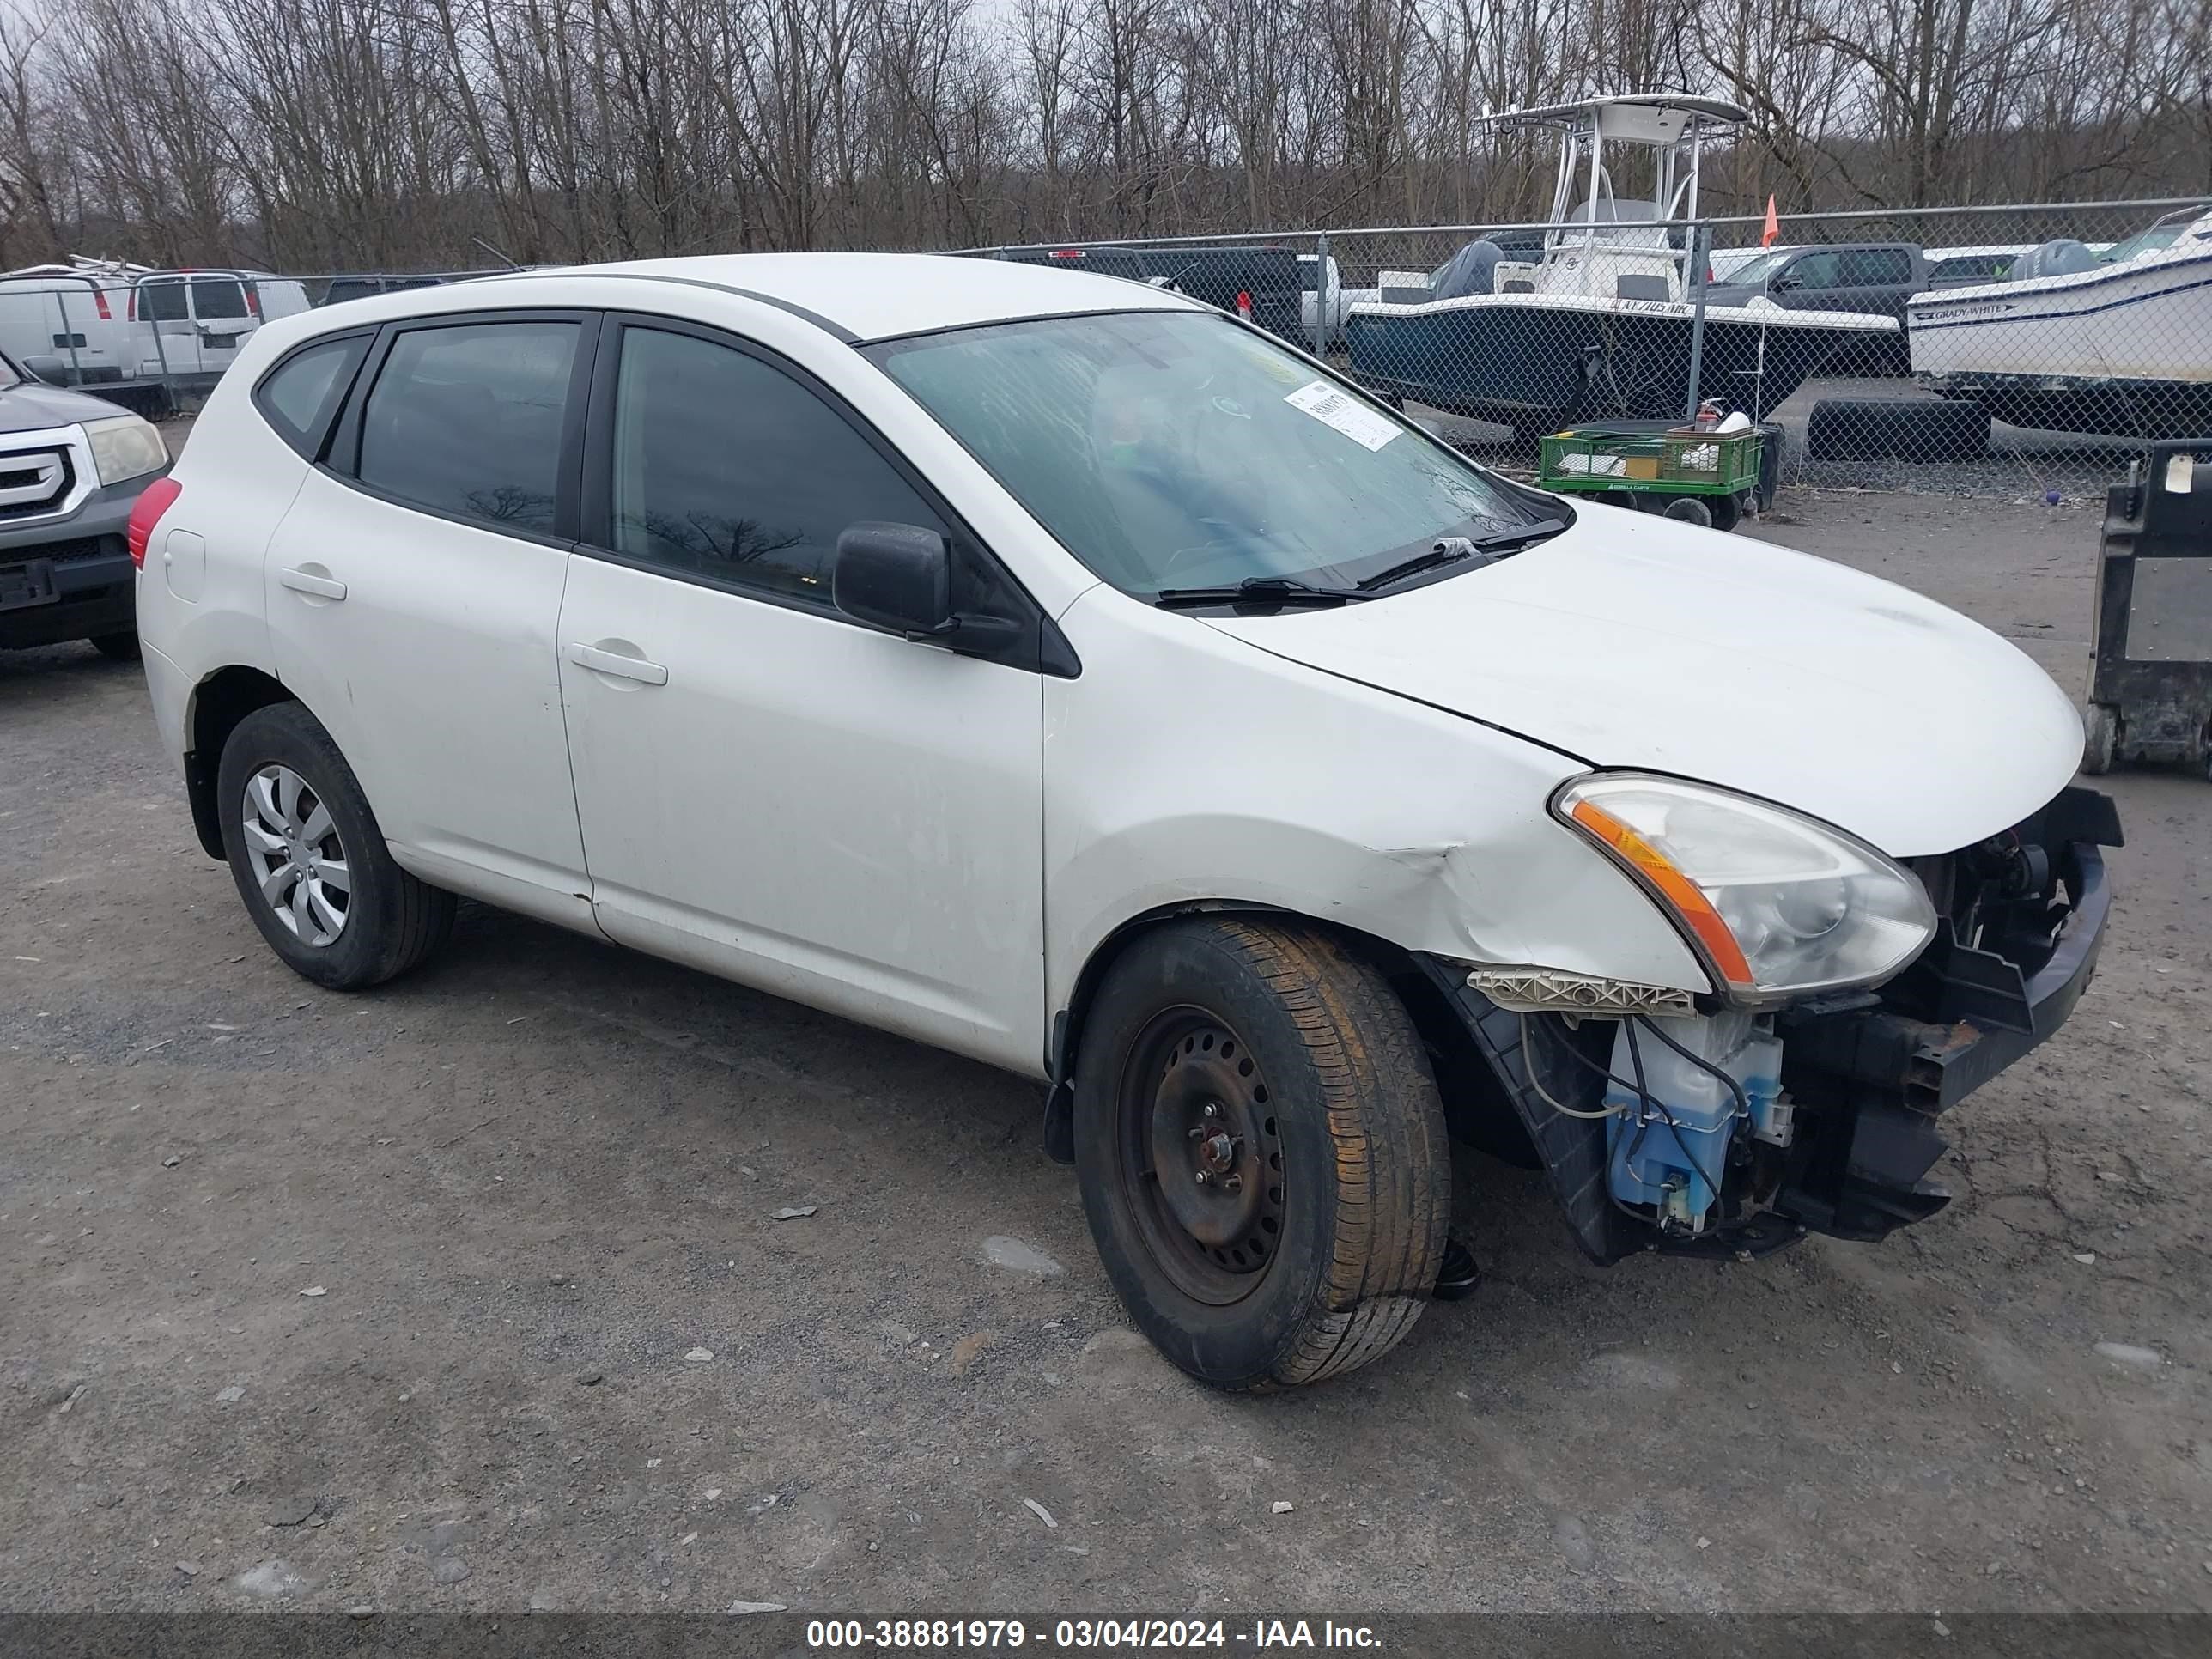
x=1677, y=1166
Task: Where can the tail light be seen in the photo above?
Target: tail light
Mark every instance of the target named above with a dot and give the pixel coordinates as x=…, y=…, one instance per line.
x=252, y=299
x=99, y=304
x=134, y=302
x=1244, y=305
x=153, y=501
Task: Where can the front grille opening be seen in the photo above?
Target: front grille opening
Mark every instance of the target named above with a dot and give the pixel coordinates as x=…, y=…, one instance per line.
x=33, y=482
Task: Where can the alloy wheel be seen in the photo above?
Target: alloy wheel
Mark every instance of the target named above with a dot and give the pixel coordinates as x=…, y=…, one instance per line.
x=298, y=860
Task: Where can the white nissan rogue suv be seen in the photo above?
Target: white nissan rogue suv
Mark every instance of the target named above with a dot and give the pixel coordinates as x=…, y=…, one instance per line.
x=1063, y=672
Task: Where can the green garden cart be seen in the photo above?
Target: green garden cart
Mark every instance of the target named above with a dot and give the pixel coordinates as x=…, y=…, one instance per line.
x=1701, y=478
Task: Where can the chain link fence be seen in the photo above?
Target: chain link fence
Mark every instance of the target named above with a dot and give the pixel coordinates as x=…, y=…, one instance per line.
x=2013, y=350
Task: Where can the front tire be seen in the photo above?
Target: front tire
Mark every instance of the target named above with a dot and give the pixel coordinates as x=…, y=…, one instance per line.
x=1261, y=1149
x=311, y=863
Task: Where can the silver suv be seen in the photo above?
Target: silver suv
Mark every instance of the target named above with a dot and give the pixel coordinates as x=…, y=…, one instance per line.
x=71, y=467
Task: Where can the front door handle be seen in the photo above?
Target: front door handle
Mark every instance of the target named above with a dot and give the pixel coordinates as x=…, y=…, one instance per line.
x=626, y=668
x=306, y=581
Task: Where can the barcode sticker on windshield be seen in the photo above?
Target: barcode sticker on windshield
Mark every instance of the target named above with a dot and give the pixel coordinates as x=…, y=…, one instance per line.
x=1334, y=407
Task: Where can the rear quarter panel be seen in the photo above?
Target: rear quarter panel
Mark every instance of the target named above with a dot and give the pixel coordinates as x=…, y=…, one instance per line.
x=237, y=479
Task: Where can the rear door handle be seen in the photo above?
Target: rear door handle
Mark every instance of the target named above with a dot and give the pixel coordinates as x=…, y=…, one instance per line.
x=305, y=582
x=626, y=668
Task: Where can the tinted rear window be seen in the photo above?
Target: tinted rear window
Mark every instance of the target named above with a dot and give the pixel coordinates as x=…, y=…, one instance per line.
x=215, y=297
x=1218, y=276
x=467, y=420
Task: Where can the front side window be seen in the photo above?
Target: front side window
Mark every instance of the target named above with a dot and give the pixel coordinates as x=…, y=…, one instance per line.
x=726, y=467
x=467, y=420
x=1818, y=271
x=1171, y=449
x=1977, y=264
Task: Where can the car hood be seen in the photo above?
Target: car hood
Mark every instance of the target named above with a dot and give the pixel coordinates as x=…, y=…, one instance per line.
x=30, y=408
x=1631, y=641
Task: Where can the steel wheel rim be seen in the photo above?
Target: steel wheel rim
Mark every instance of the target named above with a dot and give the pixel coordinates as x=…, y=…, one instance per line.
x=1202, y=1156
x=298, y=861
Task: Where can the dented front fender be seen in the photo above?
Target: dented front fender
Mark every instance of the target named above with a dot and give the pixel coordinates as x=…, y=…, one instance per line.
x=1185, y=767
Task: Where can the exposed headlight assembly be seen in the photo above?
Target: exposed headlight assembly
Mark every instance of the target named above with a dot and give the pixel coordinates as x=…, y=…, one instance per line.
x=125, y=448
x=1779, y=905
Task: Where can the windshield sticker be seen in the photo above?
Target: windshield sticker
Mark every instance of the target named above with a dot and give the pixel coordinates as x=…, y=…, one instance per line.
x=1332, y=406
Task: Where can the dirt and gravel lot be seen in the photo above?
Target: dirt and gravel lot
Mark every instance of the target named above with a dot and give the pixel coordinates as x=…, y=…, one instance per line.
x=468, y=1294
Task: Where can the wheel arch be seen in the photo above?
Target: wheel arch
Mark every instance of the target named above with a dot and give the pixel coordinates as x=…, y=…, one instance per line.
x=218, y=703
x=1439, y=1027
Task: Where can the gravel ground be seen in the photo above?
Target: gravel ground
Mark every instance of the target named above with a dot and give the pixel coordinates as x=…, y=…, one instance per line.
x=469, y=1294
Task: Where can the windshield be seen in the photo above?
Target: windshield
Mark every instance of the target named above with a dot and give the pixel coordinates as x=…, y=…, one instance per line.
x=2159, y=238
x=1755, y=273
x=1174, y=449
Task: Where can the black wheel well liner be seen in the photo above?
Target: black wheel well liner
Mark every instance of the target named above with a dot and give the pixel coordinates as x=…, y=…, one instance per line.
x=219, y=702
x=1437, y=1022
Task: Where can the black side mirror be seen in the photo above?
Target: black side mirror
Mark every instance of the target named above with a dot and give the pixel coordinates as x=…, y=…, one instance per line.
x=48, y=371
x=1786, y=283
x=897, y=576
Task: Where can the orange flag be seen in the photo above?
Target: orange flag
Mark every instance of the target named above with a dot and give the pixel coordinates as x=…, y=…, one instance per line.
x=1773, y=226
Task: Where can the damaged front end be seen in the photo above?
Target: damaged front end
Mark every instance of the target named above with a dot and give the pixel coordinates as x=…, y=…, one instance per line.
x=1707, y=1128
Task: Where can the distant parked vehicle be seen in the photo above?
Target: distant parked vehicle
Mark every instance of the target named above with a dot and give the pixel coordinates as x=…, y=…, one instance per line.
x=342, y=288
x=80, y=315
x=1872, y=279
x=199, y=319
x=71, y=468
x=1265, y=280
x=1123, y=262
x=136, y=336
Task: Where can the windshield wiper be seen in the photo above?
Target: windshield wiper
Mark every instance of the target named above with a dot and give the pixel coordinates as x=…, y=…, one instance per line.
x=1258, y=590
x=1450, y=550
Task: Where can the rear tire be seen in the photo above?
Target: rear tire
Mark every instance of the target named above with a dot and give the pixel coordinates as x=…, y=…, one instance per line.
x=310, y=862
x=2101, y=731
x=1897, y=429
x=117, y=647
x=1262, y=1152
